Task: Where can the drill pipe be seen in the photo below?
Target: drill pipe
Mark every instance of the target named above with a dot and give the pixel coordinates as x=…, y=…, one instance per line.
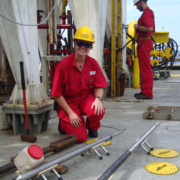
x=119, y=162
x=34, y=172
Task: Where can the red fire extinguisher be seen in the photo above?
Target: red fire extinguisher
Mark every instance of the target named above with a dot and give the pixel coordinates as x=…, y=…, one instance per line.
x=122, y=84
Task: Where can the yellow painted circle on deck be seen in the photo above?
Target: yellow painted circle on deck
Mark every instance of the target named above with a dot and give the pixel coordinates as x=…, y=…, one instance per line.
x=162, y=168
x=164, y=153
x=92, y=140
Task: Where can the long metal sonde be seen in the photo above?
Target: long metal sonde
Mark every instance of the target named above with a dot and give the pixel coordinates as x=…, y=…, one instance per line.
x=119, y=162
x=34, y=172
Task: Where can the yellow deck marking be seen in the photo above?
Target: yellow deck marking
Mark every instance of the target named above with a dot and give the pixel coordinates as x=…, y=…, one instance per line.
x=92, y=140
x=162, y=168
x=175, y=75
x=164, y=153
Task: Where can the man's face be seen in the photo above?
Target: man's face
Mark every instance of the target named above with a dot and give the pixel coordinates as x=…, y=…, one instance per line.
x=82, y=47
x=139, y=6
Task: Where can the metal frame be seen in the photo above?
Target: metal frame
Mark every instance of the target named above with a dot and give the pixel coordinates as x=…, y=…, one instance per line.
x=45, y=69
x=116, y=55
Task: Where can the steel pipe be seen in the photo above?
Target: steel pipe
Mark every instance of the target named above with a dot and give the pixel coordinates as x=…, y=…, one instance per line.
x=59, y=26
x=119, y=162
x=34, y=172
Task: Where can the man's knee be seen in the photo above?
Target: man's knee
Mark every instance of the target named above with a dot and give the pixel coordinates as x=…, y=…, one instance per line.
x=81, y=138
x=81, y=134
x=96, y=117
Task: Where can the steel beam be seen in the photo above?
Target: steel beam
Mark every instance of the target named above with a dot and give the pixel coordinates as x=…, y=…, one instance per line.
x=113, y=51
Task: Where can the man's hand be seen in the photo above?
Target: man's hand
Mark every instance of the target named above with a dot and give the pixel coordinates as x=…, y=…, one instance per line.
x=75, y=120
x=143, y=28
x=136, y=26
x=99, y=109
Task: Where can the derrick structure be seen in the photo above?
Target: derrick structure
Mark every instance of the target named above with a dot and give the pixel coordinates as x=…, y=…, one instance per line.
x=21, y=45
x=32, y=45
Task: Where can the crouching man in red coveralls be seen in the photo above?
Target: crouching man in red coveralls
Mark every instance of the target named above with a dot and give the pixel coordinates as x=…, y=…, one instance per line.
x=78, y=88
x=145, y=28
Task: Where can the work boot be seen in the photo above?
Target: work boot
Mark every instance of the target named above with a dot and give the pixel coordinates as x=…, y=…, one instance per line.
x=59, y=129
x=136, y=94
x=143, y=96
x=93, y=133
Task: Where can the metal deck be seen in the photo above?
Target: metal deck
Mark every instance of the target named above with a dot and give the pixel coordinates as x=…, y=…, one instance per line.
x=122, y=113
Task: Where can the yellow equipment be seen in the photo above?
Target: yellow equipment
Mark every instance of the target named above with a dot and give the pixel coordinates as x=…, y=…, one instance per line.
x=84, y=33
x=162, y=55
x=131, y=47
x=165, y=54
x=161, y=37
x=64, y=6
x=131, y=31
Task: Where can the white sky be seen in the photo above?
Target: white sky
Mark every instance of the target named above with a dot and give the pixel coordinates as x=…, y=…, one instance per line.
x=167, y=16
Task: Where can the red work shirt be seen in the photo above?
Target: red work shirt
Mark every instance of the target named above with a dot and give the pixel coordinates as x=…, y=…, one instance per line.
x=73, y=84
x=147, y=20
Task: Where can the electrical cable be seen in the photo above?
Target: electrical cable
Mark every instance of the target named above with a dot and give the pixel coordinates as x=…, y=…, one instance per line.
x=132, y=39
x=32, y=24
x=114, y=128
x=126, y=44
x=130, y=51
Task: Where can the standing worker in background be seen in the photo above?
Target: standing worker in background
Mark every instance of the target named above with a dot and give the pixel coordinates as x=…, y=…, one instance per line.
x=78, y=88
x=145, y=28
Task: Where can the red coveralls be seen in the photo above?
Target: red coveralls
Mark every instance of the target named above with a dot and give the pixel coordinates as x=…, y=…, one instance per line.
x=143, y=52
x=78, y=90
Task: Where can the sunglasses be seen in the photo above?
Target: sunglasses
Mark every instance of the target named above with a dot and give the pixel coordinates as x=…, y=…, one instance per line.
x=85, y=44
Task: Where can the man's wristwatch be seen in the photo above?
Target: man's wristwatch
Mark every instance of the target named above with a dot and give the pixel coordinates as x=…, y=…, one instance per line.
x=99, y=97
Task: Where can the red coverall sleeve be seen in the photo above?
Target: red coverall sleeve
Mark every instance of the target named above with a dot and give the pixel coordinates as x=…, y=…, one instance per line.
x=148, y=19
x=100, y=81
x=57, y=89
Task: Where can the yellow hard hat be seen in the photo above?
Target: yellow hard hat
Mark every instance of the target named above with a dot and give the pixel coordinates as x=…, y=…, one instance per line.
x=84, y=33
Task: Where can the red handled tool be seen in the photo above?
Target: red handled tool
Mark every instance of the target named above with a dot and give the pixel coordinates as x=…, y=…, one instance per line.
x=25, y=137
